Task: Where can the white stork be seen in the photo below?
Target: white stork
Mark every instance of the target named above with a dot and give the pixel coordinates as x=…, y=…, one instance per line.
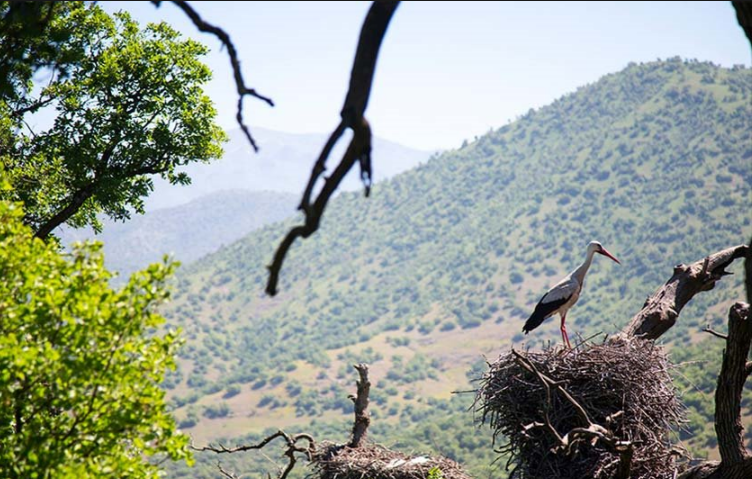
x=564, y=294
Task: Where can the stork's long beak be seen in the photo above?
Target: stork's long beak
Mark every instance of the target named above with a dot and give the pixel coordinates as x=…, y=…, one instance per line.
x=606, y=253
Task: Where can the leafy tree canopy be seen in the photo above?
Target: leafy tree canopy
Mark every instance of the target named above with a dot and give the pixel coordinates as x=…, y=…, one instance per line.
x=79, y=371
x=129, y=103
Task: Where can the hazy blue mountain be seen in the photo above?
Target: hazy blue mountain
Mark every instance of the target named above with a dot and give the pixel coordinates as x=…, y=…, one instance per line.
x=283, y=164
x=188, y=231
x=230, y=197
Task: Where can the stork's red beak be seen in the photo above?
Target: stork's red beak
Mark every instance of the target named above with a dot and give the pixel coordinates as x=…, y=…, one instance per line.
x=606, y=253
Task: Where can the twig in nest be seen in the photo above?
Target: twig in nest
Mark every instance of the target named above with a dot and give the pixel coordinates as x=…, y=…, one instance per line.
x=547, y=382
x=624, y=386
x=592, y=431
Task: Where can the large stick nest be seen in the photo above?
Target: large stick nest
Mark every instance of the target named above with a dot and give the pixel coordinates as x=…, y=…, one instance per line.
x=623, y=385
x=372, y=461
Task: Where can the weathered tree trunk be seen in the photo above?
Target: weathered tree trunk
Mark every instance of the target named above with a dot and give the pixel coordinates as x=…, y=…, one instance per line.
x=728, y=393
x=736, y=462
x=661, y=310
x=362, y=417
x=659, y=314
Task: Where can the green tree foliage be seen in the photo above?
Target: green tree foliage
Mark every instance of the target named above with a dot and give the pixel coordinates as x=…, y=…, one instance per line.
x=79, y=368
x=129, y=103
x=33, y=37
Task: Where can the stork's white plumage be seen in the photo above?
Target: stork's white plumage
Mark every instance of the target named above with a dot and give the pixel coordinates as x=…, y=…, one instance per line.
x=564, y=294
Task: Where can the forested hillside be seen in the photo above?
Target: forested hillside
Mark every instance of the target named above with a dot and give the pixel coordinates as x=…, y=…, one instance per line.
x=443, y=264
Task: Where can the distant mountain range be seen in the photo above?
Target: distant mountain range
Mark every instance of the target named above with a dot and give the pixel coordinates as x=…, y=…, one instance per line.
x=283, y=164
x=186, y=232
x=229, y=198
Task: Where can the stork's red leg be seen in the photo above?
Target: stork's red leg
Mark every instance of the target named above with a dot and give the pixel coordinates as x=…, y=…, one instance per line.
x=564, y=335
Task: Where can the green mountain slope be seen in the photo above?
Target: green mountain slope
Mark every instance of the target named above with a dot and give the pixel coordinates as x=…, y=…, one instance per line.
x=443, y=264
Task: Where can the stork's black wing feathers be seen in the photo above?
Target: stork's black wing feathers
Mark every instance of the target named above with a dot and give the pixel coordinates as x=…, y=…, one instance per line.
x=543, y=310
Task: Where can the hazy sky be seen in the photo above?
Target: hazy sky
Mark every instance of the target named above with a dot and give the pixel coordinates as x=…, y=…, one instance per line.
x=447, y=71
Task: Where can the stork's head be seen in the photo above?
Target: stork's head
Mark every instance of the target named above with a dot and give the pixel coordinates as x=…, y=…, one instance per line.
x=596, y=247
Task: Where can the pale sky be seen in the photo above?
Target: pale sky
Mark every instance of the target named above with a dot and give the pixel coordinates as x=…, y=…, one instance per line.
x=447, y=71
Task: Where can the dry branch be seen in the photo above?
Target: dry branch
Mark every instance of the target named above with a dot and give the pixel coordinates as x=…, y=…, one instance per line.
x=661, y=310
x=744, y=17
x=292, y=448
x=361, y=79
x=708, y=330
x=223, y=37
x=362, y=418
x=728, y=393
x=736, y=462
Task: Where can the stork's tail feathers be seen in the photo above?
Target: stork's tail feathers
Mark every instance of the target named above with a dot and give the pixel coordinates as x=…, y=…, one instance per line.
x=543, y=310
x=534, y=321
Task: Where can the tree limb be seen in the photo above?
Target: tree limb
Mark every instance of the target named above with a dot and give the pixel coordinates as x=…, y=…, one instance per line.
x=362, y=417
x=75, y=202
x=661, y=310
x=714, y=333
x=361, y=79
x=225, y=473
x=32, y=107
x=79, y=197
x=735, y=462
x=728, y=393
x=223, y=37
x=292, y=448
x=744, y=17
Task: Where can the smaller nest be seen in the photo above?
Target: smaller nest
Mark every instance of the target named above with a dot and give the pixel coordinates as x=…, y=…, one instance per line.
x=624, y=386
x=372, y=461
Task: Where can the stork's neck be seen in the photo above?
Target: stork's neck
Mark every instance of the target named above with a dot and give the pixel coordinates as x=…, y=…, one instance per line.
x=580, y=272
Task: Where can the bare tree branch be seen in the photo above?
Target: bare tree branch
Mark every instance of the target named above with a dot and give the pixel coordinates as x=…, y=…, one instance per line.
x=714, y=333
x=225, y=473
x=744, y=17
x=362, y=417
x=292, y=448
x=661, y=310
x=736, y=462
x=361, y=79
x=728, y=393
x=223, y=37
